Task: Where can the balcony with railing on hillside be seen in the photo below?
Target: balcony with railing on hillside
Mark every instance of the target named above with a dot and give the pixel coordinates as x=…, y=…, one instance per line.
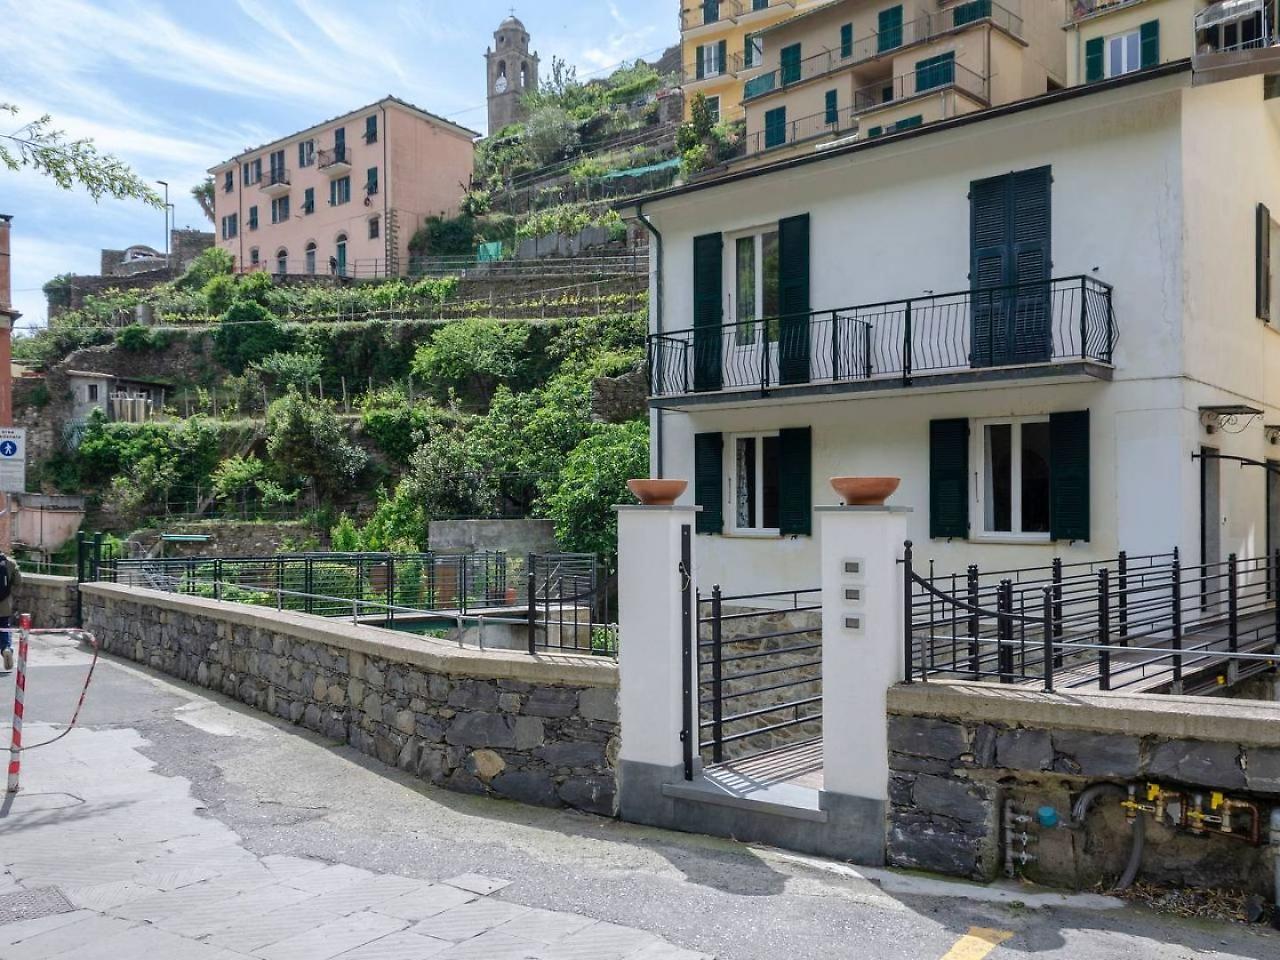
x=876, y=44
x=1062, y=329
x=701, y=13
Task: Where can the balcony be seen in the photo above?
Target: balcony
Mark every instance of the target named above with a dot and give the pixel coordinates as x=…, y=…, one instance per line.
x=702, y=13
x=874, y=45
x=1078, y=10
x=275, y=183
x=1236, y=38
x=335, y=162
x=1062, y=329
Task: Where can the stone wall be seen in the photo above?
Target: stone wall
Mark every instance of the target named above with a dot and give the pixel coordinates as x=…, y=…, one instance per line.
x=515, y=537
x=541, y=730
x=620, y=399
x=233, y=538
x=960, y=751
x=51, y=601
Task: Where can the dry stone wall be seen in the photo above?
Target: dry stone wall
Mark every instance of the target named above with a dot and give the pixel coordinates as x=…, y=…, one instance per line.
x=538, y=730
x=51, y=601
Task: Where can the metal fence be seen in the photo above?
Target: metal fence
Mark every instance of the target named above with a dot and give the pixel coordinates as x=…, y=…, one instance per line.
x=558, y=598
x=1141, y=623
x=759, y=662
x=1019, y=324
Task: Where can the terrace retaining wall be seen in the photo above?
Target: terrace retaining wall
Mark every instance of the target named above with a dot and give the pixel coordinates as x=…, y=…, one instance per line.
x=541, y=730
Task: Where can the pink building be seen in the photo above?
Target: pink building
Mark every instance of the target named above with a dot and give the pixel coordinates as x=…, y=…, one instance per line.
x=344, y=196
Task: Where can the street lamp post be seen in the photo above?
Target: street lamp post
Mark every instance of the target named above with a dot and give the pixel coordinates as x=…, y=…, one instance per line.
x=167, y=207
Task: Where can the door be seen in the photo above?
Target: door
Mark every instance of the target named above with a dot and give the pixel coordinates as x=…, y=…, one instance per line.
x=1212, y=581
x=1273, y=521
x=708, y=312
x=342, y=256
x=751, y=344
x=1010, y=269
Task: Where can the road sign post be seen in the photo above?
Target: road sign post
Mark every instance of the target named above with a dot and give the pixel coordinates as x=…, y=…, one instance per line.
x=13, y=459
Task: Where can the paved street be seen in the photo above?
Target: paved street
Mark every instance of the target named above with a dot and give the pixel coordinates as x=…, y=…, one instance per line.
x=177, y=824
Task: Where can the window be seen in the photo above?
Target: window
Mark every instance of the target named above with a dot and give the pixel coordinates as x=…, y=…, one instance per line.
x=846, y=41
x=713, y=108
x=340, y=259
x=93, y=392
x=833, y=108
x=371, y=181
x=753, y=52
x=754, y=484
x=775, y=127
x=253, y=218
x=890, y=32
x=253, y=257
x=790, y=64
x=230, y=226
x=1013, y=495
x=306, y=153
x=277, y=167
x=340, y=191
x=280, y=210
x=309, y=200
x=228, y=181
x=755, y=286
x=710, y=11
x=371, y=129
x=252, y=172
x=311, y=257
x=1267, y=241
x=936, y=72
x=710, y=60
x=759, y=4
x=1124, y=54
x=969, y=12
x=907, y=123
x=282, y=261
x=375, y=227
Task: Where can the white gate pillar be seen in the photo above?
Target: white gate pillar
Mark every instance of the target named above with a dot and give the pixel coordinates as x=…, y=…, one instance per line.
x=862, y=630
x=655, y=563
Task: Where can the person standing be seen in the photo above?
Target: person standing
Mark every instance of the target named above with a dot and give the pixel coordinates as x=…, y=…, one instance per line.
x=10, y=579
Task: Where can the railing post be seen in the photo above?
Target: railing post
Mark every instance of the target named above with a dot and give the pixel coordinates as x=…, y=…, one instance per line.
x=835, y=346
x=1233, y=614
x=1048, y=640
x=1057, y=606
x=531, y=579
x=97, y=557
x=1122, y=600
x=391, y=590
x=906, y=346
x=1110, y=325
x=1104, y=629
x=1004, y=633
x=1084, y=318
x=689, y=603
x=975, y=622
x=308, y=580
x=80, y=579
x=908, y=640
x=217, y=578
x=717, y=678
x=279, y=583
x=1176, y=638
x=866, y=338
x=1275, y=594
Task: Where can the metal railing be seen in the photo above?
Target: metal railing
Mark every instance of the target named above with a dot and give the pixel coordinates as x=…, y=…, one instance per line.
x=1069, y=319
x=276, y=177
x=875, y=44
x=1141, y=623
x=698, y=13
x=329, y=158
x=759, y=672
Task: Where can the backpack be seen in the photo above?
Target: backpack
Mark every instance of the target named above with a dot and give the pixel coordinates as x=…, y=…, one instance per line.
x=6, y=586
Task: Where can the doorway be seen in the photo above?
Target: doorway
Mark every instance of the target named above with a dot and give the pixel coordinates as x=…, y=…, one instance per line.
x=1210, y=524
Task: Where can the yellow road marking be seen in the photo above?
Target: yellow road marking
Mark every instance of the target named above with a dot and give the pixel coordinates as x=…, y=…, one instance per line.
x=977, y=943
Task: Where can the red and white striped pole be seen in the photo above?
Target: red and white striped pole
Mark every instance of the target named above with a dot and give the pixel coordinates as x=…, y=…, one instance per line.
x=19, y=694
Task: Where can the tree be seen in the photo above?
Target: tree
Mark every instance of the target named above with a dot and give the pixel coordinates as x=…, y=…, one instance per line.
x=203, y=194
x=40, y=147
x=550, y=133
x=594, y=478
x=307, y=442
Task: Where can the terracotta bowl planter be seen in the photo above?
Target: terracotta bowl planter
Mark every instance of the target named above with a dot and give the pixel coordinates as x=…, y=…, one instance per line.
x=657, y=493
x=865, y=491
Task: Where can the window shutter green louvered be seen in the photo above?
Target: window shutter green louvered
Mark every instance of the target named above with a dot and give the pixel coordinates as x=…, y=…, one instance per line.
x=833, y=107
x=1263, y=250
x=948, y=479
x=1149, y=33
x=748, y=51
x=790, y=57
x=700, y=63
x=722, y=57
x=890, y=23
x=708, y=311
x=1094, y=63
x=1069, y=475
x=795, y=482
x=793, y=299
x=989, y=242
x=846, y=41
x=1032, y=264
x=775, y=127
x=708, y=483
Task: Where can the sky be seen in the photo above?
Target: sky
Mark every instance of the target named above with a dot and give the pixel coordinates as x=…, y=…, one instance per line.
x=173, y=87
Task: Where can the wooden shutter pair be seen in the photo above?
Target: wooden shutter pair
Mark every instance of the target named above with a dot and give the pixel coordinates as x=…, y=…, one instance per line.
x=1149, y=51
x=795, y=481
x=1069, y=507
x=1262, y=243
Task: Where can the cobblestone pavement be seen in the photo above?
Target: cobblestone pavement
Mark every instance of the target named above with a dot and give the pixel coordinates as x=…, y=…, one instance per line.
x=176, y=825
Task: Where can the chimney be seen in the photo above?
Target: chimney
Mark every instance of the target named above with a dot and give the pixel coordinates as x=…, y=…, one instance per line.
x=7, y=316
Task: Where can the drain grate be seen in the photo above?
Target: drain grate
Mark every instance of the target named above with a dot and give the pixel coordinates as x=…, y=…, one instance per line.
x=33, y=904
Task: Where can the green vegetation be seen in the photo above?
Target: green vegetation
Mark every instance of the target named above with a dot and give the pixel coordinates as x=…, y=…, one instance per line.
x=704, y=142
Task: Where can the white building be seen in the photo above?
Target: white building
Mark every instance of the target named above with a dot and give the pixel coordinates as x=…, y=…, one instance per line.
x=1086, y=281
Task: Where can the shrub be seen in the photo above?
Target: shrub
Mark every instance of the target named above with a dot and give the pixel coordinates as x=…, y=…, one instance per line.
x=595, y=478
x=550, y=133
x=236, y=477
x=209, y=264
x=245, y=333
x=439, y=237
x=475, y=356
x=136, y=338
x=398, y=428
x=298, y=370
x=308, y=444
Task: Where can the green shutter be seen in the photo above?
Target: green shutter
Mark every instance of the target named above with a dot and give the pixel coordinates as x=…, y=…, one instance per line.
x=1069, y=475
x=1149, y=33
x=1263, y=259
x=775, y=127
x=708, y=481
x=748, y=51
x=795, y=482
x=890, y=23
x=833, y=108
x=846, y=41
x=793, y=299
x=790, y=64
x=1094, y=59
x=708, y=311
x=722, y=60
x=700, y=61
x=949, y=479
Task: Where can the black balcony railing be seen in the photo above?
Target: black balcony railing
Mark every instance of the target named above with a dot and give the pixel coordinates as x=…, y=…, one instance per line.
x=276, y=177
x=876, y=44
x=1055, y=321
x=329, y=158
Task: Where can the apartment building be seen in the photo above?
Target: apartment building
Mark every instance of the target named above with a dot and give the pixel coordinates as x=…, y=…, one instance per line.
x=719, y=50
x=345, y=196
x=1055, y=321
x=1109, y=38
x=870, y=67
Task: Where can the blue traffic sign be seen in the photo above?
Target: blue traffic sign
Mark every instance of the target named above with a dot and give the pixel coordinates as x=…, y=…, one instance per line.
x=8, y=449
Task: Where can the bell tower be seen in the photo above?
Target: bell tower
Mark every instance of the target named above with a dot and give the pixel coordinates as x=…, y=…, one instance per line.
x=512, y=71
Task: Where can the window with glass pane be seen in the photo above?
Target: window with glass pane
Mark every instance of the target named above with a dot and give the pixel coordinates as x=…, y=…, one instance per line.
x=755, y=492
x=1015, y=490
x=746, y=291
x=1124, y=54
x=755, y=284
